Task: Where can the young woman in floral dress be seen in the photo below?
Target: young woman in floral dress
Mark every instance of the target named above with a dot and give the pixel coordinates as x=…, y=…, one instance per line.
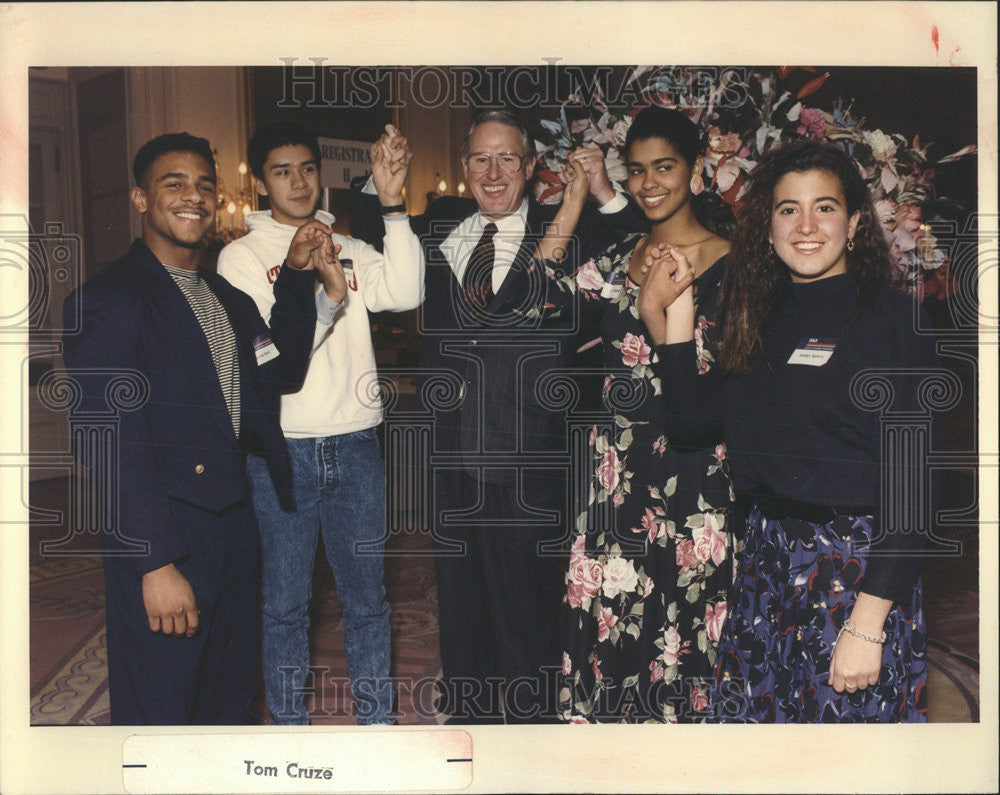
x=651, y=557
x=817, y=355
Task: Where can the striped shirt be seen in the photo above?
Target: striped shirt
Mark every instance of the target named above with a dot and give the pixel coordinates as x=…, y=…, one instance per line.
x=214, y=323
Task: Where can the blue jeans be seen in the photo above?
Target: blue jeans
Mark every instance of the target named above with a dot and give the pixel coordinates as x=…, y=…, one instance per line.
x=339, y=489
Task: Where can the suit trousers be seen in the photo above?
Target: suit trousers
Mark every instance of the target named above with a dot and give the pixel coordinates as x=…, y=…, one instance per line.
x=209, y=678
x=499, y=592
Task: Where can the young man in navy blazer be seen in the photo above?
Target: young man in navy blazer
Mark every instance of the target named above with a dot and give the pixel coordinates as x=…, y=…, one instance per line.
x=179, y=537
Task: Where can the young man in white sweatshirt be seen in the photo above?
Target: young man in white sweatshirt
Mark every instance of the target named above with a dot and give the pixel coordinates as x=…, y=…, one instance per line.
x=330, y=424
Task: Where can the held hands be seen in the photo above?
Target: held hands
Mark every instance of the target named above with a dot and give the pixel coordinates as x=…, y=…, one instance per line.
x=169, y=602
x=668, y=277
x=592, y=160
x=326, y=260
x=577, y=186
x=667, y=283
x=313, y=249
x=557, y=237
x=391, y=157
x=674, y=265
x=309, y=237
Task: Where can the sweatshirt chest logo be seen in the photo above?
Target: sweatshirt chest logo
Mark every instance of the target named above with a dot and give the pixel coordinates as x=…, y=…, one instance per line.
x=272, y=274
x=813, y=351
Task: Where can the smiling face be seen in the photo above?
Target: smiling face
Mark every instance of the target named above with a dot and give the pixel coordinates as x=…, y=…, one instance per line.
x=810, y=225
x=659, y=178
x=496, y=192
x=177, y=205
x=291, y=183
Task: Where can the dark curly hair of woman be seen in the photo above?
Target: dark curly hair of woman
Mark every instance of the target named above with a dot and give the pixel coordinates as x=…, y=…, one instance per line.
x=756, y=279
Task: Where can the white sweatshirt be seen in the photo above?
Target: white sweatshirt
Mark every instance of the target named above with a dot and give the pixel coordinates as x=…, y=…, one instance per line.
x=340, y=394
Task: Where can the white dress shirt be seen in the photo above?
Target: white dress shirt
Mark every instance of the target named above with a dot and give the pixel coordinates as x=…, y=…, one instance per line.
x=457, y=247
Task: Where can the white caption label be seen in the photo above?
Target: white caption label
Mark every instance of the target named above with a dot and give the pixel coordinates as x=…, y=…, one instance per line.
x=357, y=761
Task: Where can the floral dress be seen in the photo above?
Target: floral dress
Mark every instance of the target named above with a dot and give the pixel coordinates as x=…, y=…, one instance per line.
x=652, y=557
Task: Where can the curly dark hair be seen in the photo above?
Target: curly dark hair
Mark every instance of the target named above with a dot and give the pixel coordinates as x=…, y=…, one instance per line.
x=756, y=279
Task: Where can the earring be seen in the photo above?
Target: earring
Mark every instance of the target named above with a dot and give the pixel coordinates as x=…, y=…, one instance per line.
x=850, y=244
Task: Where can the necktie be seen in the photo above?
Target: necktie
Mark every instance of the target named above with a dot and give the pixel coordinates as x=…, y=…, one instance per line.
x=477, y=281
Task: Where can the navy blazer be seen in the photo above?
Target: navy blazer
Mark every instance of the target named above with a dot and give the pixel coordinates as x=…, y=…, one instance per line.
x=175, y=437
x=485, y=377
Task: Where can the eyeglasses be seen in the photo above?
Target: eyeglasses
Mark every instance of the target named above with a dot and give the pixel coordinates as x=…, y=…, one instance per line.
x=508, y=162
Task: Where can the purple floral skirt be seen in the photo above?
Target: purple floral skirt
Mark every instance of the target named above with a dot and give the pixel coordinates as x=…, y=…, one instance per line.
x=795, y=586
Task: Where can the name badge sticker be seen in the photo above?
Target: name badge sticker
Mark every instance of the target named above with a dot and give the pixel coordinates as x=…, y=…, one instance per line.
x=349, y=277
x=813, y=351
x=264, y=349
x=612, y=288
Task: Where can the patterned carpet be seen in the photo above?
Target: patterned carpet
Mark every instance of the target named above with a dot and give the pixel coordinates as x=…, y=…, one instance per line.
x=68, y=657
x=68, y=654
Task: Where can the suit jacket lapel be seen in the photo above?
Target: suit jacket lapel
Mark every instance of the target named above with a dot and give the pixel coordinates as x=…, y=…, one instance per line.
x=185, y=335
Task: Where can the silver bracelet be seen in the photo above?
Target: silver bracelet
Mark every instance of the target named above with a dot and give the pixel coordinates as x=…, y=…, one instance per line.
x=851, y=630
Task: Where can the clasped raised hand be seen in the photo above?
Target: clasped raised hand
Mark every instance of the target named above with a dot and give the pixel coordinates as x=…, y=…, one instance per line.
x=668, y=273
x=591, y=158
x=577, y=184
x=391, y=158
x=326, y=261
x=668, y=277
x=308, y=237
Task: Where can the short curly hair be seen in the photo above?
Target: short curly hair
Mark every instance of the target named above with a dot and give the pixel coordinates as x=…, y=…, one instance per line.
x=169, y=142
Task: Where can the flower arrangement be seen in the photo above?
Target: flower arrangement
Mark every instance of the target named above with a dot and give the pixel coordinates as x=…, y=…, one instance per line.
x=743, y=114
